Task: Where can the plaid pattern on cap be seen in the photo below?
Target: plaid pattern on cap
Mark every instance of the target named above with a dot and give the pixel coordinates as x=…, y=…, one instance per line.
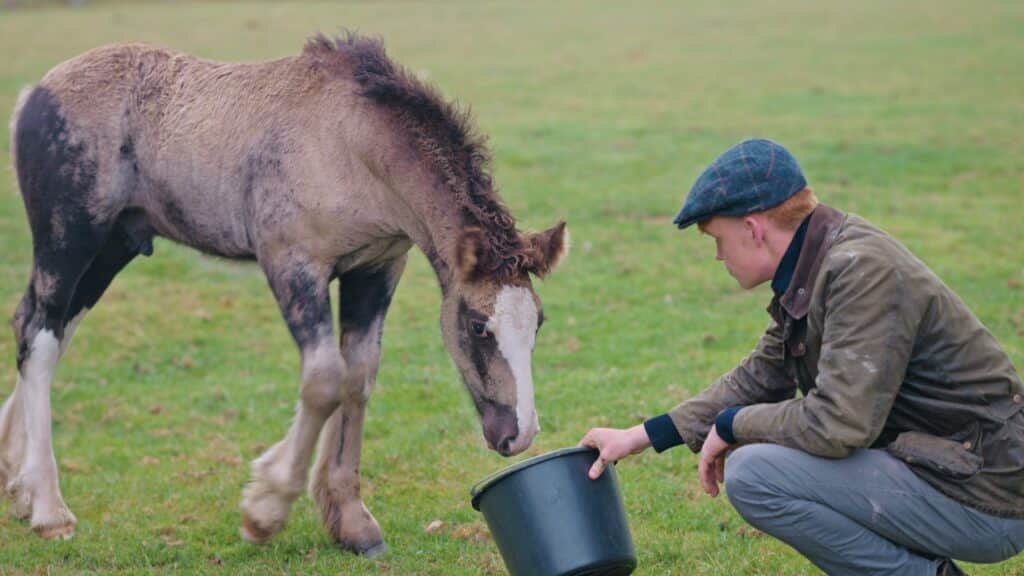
x=752, y=176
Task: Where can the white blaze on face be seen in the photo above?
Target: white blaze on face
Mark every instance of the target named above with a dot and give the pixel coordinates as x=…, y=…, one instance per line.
x=514, y=325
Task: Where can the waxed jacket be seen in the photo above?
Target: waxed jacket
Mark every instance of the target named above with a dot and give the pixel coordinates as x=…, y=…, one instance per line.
x=885, y=355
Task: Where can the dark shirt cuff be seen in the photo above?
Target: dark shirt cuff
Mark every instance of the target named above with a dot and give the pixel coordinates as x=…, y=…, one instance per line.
x=723, y=424
x=662, y=433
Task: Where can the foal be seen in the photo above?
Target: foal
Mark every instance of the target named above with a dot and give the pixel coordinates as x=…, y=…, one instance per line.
x=327, y=165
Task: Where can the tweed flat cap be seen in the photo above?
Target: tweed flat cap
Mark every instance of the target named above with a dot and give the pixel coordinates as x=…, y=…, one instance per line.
x=752, y=176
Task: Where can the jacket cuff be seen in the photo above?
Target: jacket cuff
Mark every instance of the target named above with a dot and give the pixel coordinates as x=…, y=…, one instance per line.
x=723, y=424
x=662, y=433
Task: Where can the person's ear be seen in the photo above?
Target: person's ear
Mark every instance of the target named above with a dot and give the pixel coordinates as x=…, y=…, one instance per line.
x=754, y=227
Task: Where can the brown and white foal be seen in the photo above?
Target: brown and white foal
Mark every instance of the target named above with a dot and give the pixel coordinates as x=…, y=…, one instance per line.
x=327, y=165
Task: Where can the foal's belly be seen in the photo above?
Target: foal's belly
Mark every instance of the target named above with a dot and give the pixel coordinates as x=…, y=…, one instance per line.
x=212, y=223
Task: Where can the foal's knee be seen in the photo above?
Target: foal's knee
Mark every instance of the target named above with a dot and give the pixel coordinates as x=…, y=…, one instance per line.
x=322, y=374
x=357, y=383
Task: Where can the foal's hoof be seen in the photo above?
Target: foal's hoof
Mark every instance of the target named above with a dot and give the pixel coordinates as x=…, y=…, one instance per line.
x=375, y=551
x=264, y=511
x=63, y=532
x=366, y=550
x=61, y=526
x=253, y=532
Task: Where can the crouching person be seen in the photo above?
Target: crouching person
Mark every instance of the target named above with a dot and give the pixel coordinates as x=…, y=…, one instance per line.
x=905, y=448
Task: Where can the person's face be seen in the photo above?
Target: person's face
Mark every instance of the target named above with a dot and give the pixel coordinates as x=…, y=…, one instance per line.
x=740, y=245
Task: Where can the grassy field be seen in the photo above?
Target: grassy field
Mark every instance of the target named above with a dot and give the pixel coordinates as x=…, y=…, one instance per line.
x=909, y=114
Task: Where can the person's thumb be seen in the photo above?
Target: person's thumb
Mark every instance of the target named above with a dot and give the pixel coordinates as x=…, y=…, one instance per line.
x=597, y=469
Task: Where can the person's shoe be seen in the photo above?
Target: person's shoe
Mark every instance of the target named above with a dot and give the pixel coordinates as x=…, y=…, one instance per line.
x=949, y=568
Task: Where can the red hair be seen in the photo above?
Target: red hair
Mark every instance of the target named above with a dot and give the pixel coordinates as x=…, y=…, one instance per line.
x=789, y=214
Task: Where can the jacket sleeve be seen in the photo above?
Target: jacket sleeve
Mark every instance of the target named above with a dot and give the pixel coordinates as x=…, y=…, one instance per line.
x=869, y=327
x=761, y=377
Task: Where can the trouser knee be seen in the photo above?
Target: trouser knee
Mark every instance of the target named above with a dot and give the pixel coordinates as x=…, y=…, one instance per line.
x=748, y=483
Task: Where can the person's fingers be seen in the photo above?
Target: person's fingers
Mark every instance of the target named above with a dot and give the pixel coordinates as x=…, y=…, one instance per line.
x=587, y=441
x=707, y=476
x=720, y=468
x=702, y=474
x=597, y=469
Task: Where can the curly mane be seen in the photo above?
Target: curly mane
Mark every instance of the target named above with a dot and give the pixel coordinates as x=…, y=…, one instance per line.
x=444, y=135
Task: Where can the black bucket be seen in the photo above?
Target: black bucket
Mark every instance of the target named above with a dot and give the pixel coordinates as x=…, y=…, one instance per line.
x=549, y=519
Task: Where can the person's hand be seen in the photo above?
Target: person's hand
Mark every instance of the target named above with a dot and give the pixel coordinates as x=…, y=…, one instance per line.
x=614, y=445
x=712, y=462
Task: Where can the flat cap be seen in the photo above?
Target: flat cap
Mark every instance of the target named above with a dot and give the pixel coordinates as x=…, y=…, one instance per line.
x=752, y=176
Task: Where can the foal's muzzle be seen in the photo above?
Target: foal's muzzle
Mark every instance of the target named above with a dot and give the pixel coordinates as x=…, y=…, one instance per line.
x=500, y=427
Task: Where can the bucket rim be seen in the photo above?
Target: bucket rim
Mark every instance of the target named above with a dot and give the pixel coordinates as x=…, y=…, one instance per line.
x=478, y=489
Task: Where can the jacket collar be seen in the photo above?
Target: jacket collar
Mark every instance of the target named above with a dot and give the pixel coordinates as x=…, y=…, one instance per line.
x=784, y=273
x=822, y=229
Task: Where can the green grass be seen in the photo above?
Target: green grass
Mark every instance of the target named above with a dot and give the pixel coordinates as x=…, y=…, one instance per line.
x=909, y=114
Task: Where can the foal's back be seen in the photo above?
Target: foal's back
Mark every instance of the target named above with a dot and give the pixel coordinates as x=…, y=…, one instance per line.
x=220, y=156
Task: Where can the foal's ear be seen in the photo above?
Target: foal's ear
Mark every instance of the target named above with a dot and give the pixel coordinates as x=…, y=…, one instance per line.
x=546, y=249
x=469, y=254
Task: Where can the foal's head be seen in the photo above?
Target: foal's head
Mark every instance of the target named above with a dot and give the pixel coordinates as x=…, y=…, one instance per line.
x=490, y=320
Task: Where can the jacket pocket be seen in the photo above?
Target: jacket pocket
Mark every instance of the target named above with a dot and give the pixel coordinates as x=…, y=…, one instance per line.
x=942, y=455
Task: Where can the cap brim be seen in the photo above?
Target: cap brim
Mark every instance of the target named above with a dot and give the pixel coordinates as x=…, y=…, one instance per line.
x=682, y=221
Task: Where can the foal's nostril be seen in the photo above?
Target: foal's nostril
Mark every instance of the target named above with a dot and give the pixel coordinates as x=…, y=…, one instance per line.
x=500, y=426
x=505, y=447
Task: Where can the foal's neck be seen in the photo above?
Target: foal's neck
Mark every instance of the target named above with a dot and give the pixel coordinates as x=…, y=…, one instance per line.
x=433, y=222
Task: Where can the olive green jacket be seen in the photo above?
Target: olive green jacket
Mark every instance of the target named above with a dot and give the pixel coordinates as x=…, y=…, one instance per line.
x=885, y=356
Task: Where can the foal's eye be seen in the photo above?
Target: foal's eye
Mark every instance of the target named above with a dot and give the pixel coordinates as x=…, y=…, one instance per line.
x=480, y=329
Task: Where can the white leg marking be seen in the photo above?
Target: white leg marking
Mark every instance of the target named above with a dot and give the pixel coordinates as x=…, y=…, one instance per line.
x=69, y=331
x=12, y=451
x=514, y=324
x=279, y=474
x=39, y=471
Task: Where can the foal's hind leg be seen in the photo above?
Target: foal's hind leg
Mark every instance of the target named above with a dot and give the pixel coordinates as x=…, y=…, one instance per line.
x=279, y=474
x=58, y=173
x=27, y=465
x=365, y=296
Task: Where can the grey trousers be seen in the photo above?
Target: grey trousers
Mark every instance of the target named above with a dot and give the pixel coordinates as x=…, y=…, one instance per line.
x=864, y=514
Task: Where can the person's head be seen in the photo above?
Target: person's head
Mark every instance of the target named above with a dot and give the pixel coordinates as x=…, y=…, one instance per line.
x=751, y=200
x=751, y=246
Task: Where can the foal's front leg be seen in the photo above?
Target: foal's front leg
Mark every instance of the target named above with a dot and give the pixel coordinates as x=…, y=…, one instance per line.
x=365, y=296
x=279, y=474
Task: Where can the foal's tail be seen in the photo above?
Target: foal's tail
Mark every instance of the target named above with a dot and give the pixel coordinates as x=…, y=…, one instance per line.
x=18, y=105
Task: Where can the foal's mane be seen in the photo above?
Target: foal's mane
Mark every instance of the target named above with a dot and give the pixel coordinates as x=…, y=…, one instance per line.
x=443, y=133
